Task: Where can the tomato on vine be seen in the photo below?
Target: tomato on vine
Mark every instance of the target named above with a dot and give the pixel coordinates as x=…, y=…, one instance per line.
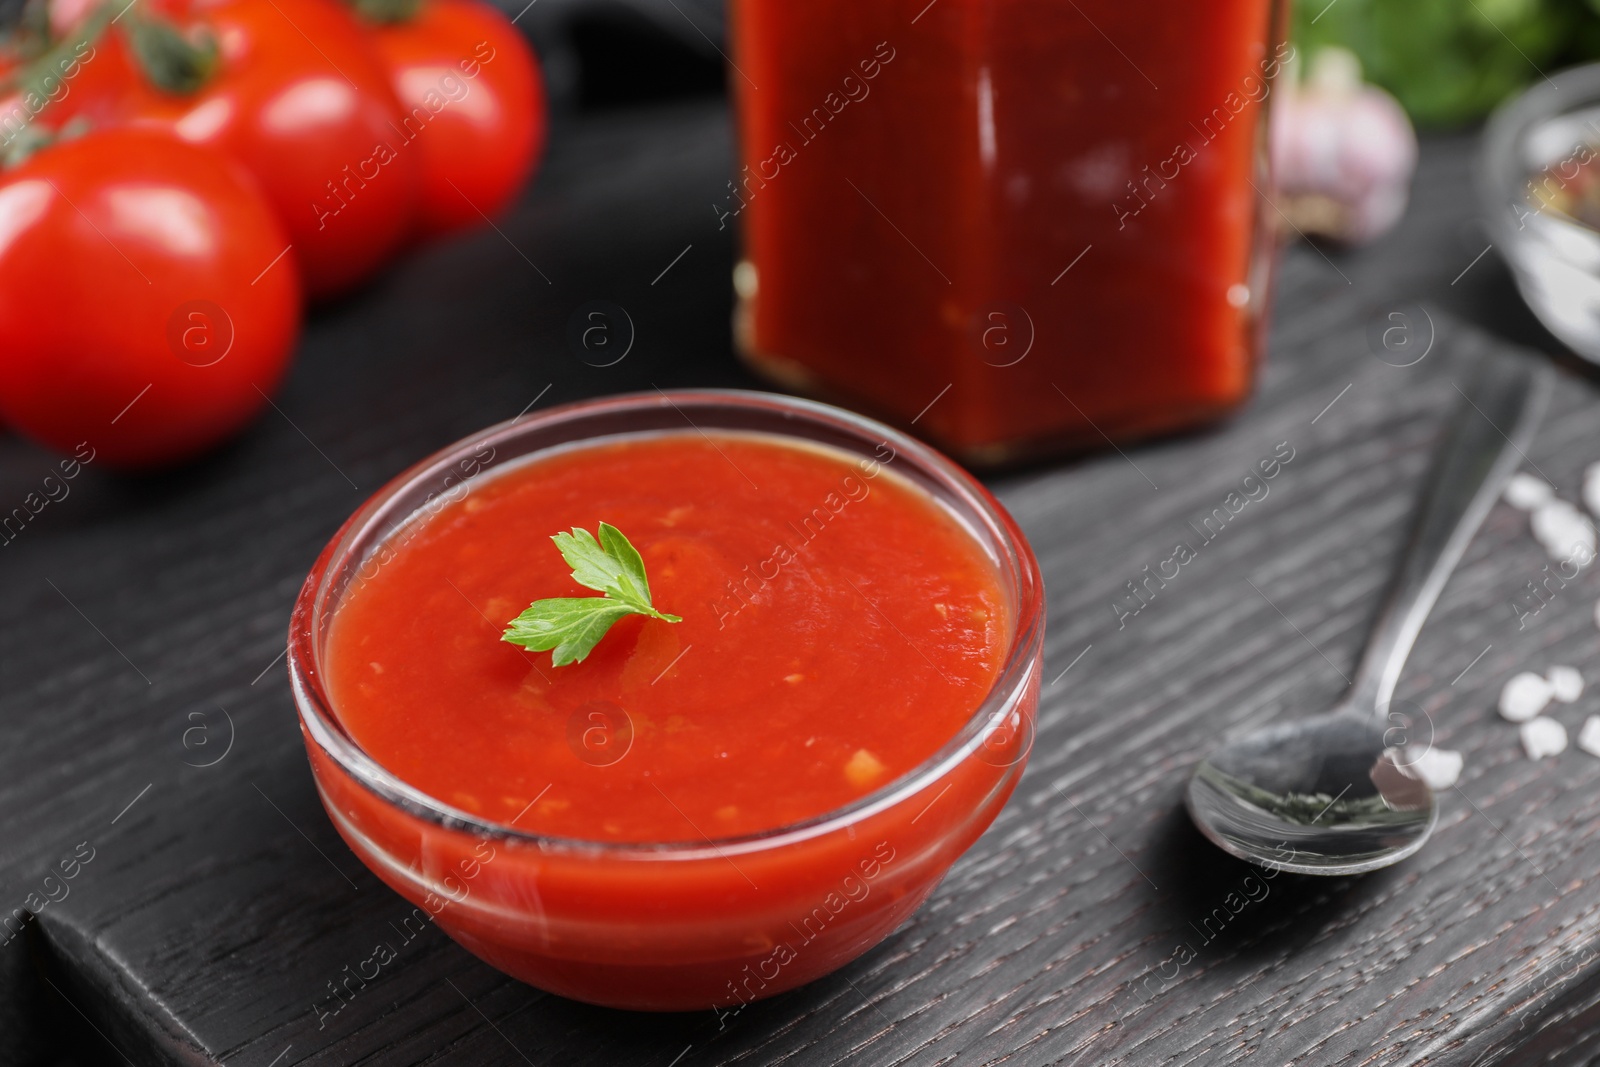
x=474, y=104
x=295, y=91
x=48, y=79
x=146, y=304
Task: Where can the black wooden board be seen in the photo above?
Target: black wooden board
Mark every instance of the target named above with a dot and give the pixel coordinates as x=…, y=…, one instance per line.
x=143, y=621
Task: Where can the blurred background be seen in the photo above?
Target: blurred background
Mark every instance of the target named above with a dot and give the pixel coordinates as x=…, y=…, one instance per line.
x=1448, y=62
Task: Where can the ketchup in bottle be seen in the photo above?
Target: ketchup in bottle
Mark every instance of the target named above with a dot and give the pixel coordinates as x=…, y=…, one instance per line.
x=1022, y=225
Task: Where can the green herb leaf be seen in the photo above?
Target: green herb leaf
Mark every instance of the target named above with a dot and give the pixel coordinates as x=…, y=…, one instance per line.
x=634, y=584
x=570, y=627
x=567, y=627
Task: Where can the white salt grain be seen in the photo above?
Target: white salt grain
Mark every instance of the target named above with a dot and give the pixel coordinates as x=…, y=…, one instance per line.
x=1563, y=530
x=1543, y=737
x=1439, y=767
x=1566, y=684
x=1524, y=696
x=1527, y=492
x=1589, y=736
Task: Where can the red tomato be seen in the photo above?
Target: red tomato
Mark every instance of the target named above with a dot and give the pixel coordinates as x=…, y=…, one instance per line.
x=302, y=99
x=141, y=307
x=475, y=108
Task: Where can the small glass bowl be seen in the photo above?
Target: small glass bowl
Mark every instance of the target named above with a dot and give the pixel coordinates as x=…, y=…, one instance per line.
x=675, y=925
x=1554, y=257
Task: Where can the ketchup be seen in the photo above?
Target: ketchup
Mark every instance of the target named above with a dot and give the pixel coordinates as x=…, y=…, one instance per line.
x=838, y=628
x=1022, y=225
x=729, y=806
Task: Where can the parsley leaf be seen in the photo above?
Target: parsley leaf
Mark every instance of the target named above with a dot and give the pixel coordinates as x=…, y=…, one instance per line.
x=570, y=627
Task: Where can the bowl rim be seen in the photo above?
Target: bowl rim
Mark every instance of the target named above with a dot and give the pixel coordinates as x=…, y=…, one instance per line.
x=1017, y=564
x=1502, y=175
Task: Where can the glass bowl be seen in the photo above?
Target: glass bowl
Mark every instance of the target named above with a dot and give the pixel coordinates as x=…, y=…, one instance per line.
x=709, y=923
x=1555, y=258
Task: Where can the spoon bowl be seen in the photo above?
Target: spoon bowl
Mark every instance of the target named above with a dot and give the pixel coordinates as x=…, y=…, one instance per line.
x=1322, y=795
x=1334, y=793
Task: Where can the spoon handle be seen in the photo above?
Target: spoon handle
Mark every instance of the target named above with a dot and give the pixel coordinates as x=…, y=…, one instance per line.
x=1492, y=427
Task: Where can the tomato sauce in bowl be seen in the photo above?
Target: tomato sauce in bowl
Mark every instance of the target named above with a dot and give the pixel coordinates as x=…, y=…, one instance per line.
x=699, y=813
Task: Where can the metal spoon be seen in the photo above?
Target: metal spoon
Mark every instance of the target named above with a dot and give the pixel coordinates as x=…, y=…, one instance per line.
x=1327, y=794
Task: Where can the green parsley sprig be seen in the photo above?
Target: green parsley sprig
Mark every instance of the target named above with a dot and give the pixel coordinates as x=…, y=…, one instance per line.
x=570, y=627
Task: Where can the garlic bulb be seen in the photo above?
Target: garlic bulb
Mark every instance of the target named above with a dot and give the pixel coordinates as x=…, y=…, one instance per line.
x=1342, y=152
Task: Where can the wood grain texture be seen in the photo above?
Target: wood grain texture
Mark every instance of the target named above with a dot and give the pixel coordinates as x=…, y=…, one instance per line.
x=218, y=907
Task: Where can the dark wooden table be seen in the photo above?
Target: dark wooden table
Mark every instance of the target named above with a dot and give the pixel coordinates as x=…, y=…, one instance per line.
x=144, y=621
